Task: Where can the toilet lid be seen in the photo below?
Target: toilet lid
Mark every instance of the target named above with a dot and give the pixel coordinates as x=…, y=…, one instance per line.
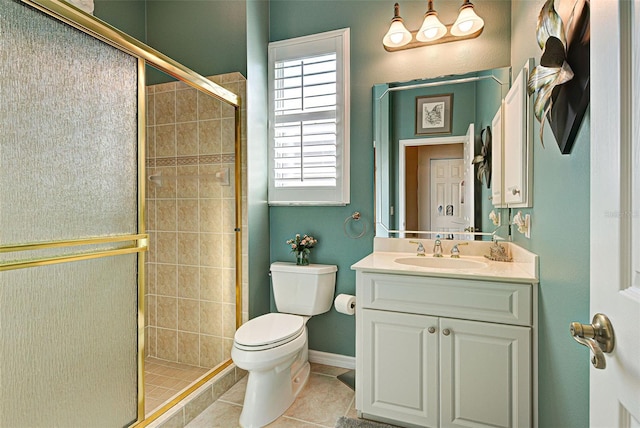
x=269, y=330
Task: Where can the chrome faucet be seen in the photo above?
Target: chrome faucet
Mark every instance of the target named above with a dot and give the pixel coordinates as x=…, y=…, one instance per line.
x=437, y=248
x=455, y=251
x=420, y=250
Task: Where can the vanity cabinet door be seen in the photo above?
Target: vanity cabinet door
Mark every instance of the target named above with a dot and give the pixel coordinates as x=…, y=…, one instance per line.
x=400, y=367
x=516, y=121
x=485, y=374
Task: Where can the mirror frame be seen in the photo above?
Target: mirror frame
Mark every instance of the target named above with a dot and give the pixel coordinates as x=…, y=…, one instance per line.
x=382, y=145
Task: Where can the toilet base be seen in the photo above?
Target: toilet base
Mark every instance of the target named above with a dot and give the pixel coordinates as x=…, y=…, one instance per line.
x=264, y=405
x=270, y=393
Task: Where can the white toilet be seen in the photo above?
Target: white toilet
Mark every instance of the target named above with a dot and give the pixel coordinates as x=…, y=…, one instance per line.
x=273, y=347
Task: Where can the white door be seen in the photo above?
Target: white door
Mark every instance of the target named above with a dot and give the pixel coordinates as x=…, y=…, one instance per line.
x=447, y=196
x=615, y=207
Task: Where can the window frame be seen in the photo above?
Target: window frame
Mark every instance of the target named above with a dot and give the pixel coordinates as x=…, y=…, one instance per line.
x=337, y=41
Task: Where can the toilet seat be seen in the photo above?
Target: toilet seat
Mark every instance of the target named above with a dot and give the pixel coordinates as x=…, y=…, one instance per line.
x=268, y=331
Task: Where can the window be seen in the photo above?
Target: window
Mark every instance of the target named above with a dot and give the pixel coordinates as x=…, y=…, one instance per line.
x=309, y=120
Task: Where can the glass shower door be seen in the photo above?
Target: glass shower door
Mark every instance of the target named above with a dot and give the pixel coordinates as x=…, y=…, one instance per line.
x=71, y=229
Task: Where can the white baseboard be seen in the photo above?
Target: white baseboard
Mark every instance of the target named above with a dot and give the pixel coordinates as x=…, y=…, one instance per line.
x=335, y=360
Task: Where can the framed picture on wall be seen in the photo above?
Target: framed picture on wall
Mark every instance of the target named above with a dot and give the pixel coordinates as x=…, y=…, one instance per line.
x=433, y=114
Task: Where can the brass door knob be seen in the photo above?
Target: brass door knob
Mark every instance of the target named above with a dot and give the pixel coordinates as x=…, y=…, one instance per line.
x=597, y=336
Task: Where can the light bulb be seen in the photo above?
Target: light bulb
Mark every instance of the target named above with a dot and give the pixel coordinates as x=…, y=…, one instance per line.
x=468, y=22
x=465, y=26
x=430, y=33
x=396, y=38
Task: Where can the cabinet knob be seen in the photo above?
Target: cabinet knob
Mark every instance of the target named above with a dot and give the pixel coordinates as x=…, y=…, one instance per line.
x=431, y=329
x=446, y=332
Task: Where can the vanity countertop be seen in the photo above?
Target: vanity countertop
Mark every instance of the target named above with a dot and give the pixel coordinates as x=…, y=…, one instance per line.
x=523, y=268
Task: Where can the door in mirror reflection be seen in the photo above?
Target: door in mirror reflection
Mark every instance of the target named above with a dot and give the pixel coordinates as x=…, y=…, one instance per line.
x=434, y=174
x=437, y=191
x=446, y=202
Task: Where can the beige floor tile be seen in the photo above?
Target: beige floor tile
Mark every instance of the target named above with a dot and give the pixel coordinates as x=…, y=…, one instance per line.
x=150, y=378
x=219, y=414
x=235, y=394
x=286, y=422
x=322, y=401
x=150, y=405
x=165, y=379
x=170, y=382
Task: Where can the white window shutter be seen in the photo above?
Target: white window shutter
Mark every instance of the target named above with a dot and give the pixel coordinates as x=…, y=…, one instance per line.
x=309, y=120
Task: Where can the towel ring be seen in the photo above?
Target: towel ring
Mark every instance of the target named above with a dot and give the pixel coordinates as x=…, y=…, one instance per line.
x=354, y=217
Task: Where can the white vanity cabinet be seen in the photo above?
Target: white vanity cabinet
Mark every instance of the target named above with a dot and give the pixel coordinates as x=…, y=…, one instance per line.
x=444, y=352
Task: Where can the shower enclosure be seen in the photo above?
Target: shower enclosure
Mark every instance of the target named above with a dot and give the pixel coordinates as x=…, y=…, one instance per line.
x=75, y=319
x=191, y=210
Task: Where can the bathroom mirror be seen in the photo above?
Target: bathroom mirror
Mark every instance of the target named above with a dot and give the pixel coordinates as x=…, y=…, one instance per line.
x=426, y=184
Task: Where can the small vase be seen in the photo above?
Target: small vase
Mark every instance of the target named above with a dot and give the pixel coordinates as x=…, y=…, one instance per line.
x=302, y=259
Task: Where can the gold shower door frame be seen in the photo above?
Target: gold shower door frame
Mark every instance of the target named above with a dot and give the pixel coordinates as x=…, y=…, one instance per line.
x=139, y=242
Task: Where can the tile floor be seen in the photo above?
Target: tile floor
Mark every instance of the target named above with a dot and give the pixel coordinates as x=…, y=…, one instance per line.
x=321, y=402
x=164, y=379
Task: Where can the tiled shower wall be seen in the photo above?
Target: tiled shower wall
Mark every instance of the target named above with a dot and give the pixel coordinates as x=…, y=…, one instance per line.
x=190, y=295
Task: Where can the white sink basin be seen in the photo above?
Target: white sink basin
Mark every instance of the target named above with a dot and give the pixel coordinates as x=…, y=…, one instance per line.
x=440, y=262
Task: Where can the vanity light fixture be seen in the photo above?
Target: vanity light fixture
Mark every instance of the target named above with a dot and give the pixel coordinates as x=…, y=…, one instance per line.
x=468, y=25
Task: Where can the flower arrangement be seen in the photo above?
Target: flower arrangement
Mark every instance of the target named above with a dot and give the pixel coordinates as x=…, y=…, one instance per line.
x=301, y=246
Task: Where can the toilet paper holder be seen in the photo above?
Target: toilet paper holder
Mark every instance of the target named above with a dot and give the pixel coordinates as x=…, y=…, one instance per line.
x=345, y=304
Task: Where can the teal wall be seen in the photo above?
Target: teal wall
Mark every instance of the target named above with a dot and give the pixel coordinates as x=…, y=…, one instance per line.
x=126, y=15
x=560, y=217
x=403, y=107
x=209, y=37
x=257, y=172
x=370, y=64
x=560, y=236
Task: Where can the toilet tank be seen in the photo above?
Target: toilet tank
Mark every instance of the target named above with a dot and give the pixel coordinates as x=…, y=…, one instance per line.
x=303, y=290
